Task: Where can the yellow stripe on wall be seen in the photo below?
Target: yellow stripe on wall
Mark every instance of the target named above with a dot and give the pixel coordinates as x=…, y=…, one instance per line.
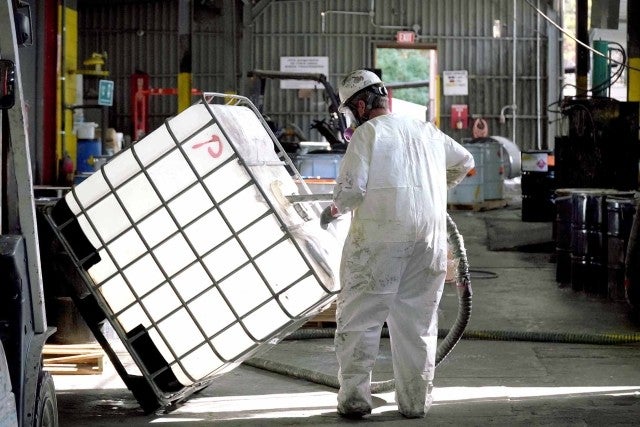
x=633, y=91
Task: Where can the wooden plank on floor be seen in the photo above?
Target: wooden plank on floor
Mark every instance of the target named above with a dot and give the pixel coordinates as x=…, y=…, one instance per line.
x=73, y=359
x=326, y=318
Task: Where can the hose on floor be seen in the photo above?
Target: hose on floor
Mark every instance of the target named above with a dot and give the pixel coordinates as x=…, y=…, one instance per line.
x=553, y=337
x=451, y=337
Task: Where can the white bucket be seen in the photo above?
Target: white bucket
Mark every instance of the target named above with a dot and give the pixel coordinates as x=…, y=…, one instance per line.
x=86, y=130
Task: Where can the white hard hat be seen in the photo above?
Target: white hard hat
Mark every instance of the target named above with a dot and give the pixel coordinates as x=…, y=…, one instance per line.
x=354, y=82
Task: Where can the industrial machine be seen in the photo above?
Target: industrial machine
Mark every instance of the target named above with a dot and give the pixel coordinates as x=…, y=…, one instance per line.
x=27, y=393
x=332, y=129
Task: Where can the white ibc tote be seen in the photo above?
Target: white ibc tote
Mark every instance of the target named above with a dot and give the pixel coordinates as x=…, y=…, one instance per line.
x=190, y=247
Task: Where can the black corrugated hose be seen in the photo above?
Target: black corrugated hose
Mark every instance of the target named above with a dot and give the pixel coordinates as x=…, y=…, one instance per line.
x=451, y=337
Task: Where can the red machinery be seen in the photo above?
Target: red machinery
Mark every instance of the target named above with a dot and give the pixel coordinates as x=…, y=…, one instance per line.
x=139, y=96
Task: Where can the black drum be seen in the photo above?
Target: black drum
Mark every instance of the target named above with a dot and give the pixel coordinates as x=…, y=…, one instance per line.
x=588, y=234
x=562, y=239
x=591, y=220
x=620, y=213
x=632, y=264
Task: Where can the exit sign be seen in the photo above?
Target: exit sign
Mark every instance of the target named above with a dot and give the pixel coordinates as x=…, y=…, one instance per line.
x=405, y=37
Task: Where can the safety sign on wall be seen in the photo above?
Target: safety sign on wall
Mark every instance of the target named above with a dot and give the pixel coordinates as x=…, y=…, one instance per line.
x=455, y=82
x=105, y=93
x=303, y=64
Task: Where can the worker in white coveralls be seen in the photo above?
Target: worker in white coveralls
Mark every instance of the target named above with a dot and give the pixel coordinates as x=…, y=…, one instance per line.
x=393, y=179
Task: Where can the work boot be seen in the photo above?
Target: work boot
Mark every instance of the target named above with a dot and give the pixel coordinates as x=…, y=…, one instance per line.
x=420, y=414
x=353, y=413
x=414, y=411
x=354, y=409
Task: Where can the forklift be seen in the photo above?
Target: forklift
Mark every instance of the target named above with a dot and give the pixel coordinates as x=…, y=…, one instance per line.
x=27, y=392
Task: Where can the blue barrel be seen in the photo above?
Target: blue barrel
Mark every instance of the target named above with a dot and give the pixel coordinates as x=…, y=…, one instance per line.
x=88, y=151
x=470, y=191
x=493, y=171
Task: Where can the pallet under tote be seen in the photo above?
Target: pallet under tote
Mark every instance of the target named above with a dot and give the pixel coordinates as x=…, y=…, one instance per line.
x=487, y=205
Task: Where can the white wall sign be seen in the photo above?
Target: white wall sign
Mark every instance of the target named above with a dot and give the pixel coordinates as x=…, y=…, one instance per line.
x=455, y=82
x=303, y=64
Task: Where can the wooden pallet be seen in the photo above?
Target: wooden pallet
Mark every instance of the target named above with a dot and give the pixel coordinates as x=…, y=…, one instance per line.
x=324, y=319
x=73, y=359
x=487, y=205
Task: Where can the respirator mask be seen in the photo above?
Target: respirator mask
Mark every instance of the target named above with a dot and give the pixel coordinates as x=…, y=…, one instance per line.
x=350, y=111
x=351, y=121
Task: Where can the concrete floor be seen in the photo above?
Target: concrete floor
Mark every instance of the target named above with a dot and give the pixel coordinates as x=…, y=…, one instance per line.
x=481, y=383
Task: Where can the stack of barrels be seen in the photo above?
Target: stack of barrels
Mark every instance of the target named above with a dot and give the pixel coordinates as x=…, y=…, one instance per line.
x=592, y=230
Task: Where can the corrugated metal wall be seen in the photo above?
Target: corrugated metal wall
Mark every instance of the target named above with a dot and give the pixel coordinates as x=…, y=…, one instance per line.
x=143, y=35
x=461, y=31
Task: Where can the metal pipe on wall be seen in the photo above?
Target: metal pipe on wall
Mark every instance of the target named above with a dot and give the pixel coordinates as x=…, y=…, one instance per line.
x=538, y=83
x=514, y=105
x=324, y=14
x=554, y=72
x=372, y=15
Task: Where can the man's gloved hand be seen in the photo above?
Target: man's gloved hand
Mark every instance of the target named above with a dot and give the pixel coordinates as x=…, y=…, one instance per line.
x=329, y=214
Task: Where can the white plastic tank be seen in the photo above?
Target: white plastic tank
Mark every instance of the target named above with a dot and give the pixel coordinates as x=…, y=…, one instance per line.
x=193, y=251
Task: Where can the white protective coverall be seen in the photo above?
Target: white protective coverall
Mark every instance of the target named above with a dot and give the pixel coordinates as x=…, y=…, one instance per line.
x=394, y=178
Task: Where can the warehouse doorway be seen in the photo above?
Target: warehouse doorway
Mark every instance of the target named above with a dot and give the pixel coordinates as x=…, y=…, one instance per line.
x=410, y=72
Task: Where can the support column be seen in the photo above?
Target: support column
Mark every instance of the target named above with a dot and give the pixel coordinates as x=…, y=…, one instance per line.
x=185, y=21
x=582, y=53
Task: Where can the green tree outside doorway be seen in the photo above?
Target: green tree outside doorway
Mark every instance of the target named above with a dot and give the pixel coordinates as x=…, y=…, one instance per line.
x=405, y=66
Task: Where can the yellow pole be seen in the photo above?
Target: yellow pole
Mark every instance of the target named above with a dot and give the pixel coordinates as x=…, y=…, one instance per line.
x=634, y=79
x=66, y=142
x=184, y=91
x=185, y=17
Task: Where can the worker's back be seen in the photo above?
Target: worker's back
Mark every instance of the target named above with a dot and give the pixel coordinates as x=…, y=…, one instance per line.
x=406, y=192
